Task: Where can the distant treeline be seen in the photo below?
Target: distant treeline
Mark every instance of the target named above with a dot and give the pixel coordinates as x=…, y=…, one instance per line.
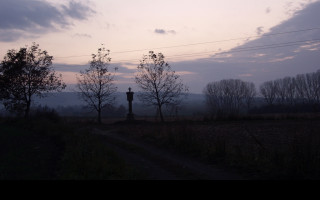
x=290, y=94
x=227, y=97
x=302, y=89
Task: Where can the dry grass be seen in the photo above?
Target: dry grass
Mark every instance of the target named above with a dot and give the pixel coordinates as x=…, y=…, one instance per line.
x=268, y=149
x=43, y=149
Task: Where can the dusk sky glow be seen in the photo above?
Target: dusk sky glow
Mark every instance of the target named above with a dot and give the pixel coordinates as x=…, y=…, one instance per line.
x=203, y=40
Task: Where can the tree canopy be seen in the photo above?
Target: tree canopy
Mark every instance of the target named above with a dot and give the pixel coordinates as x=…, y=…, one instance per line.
x=24, y=74
x=96, y=84
x=159, y=83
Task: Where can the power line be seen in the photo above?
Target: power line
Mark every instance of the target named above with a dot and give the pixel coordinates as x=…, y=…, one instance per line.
x=202, y=43
x=218, y=41
x=261, y=47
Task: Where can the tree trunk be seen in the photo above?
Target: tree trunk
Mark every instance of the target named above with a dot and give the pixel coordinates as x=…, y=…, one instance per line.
x=99, y=106
x=160, y=113
x=26, y=113
x=99, y=116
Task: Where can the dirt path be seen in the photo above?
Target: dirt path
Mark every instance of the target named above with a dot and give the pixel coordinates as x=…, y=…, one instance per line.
x=159, y=164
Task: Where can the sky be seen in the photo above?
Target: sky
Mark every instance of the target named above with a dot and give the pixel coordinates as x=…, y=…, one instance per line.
x=203, y=40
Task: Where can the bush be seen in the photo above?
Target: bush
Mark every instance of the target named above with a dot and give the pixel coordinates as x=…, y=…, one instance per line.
x=50, y=114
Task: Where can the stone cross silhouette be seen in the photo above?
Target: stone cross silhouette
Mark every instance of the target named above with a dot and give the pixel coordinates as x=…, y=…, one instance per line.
x=130, y=115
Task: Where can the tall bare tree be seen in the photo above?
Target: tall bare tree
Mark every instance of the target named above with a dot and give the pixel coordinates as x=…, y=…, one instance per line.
x=214, y=97
x=96, y=84
x=280, y=91
x=227, y=97
x=291, y=90
x=24, y=74
x=269, y=91
x=303, y=91
x=308, y=88
x=159, y=83
x=249, y=93
x=286, y=91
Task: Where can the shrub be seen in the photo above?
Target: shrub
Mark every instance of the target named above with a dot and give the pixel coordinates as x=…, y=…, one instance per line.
x=42, y=113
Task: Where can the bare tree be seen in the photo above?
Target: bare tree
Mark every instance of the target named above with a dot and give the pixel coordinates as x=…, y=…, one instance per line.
x=214, y=97
x=313, y=85
x=249, y=93
x=308, y=87
x=96, y=84
x=286, y=92
x=280, y=91
x=269, y=90
x=227, y=97
x=304, y=88
x=291, y=91
x=303, y=92
x=232, y=97
x=316, y=77
x=24, y=74
x=159, y=83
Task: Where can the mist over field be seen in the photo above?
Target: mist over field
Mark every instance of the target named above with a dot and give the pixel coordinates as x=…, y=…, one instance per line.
x=166, y=90
x=193, y=105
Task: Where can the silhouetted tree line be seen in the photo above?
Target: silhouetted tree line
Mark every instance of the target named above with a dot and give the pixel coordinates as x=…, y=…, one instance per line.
x=303, y=89
x=28, y=72
x=229, y=97
x=290, y=94
x=161, y=85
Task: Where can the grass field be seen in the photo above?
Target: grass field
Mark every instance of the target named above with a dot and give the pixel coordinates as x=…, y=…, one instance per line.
x=46, y=150
x=66, y=149
x=266, y=149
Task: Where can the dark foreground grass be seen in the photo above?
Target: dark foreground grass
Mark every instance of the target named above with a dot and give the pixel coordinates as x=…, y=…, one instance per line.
x=45, y=150
x=262, y=149
x=25, y=155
